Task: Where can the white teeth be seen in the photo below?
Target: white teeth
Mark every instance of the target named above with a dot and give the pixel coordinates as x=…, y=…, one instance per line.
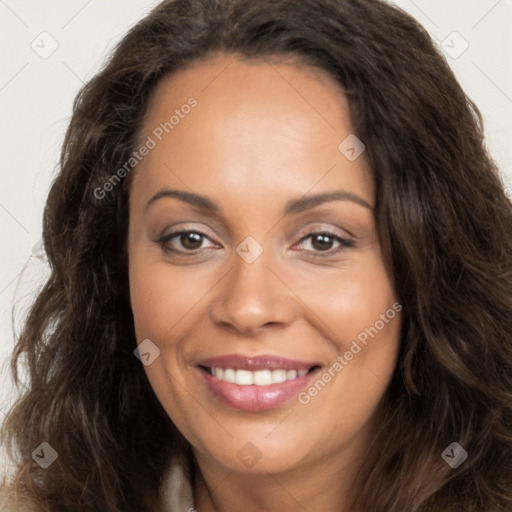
x=243, y=378
x=278, y=376
x=262, y=378
x=229, y=375
x=258, y=378
x=291, y=374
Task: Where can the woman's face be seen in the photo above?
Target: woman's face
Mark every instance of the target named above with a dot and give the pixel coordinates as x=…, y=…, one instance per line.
x=253, y=255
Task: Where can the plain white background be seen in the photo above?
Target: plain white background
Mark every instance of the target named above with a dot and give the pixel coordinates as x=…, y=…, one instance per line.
x=49, y=49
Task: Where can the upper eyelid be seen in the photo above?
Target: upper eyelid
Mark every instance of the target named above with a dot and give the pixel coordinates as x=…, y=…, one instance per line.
x=209, y=226
x=184, y=228
x=306, y=232
x=317, y=228
x=174, y=234
x=225, y=232
x=343, y=241
x=321, y=232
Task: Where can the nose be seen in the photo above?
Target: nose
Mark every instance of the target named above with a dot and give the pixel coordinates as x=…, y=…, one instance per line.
x=254, y=296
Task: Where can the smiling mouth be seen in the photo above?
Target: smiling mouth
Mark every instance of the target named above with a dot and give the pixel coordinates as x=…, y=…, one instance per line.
x=255, y=383
x=263, y=377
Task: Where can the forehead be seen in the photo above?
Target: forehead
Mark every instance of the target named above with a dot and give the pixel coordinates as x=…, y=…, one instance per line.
x=258, y=126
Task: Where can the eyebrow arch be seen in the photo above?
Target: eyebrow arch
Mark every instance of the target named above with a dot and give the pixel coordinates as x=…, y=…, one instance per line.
x=305, y=203
x=188, y=197
x=292, y=206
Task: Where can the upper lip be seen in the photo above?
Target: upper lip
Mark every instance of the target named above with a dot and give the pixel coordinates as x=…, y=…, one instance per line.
x=255, y=363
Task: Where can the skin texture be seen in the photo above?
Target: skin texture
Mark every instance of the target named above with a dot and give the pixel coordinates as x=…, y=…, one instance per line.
x=262, y=134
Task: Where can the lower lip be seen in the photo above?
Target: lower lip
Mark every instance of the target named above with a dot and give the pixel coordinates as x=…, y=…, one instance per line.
x=255, y=398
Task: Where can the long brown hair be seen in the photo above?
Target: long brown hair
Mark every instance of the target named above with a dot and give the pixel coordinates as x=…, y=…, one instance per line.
x=444, y=222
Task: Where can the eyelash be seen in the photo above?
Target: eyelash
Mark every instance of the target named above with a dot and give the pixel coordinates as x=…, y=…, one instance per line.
x=164, y=240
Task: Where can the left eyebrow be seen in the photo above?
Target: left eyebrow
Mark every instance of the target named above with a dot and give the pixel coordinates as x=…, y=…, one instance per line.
x=188, y=197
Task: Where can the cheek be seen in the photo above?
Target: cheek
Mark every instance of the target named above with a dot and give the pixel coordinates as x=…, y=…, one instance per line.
x=164, y=301
x=357, y=310
x=349, y=300
x=163, y=298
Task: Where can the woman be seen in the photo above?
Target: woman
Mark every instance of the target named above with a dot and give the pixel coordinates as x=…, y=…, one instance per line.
x=281, y=276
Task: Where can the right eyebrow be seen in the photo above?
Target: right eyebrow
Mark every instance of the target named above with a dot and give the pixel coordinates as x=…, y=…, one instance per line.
x=306, y=203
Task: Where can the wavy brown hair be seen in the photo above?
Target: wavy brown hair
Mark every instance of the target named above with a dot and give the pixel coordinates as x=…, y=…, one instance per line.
x=445, y=226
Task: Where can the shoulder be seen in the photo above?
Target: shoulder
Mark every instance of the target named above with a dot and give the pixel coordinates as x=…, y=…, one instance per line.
x=176, y=492
x=177, y=489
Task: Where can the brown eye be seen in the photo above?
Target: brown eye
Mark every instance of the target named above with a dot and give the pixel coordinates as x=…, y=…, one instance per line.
x=322, y=241
x=184, y=242
x=191, y=240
